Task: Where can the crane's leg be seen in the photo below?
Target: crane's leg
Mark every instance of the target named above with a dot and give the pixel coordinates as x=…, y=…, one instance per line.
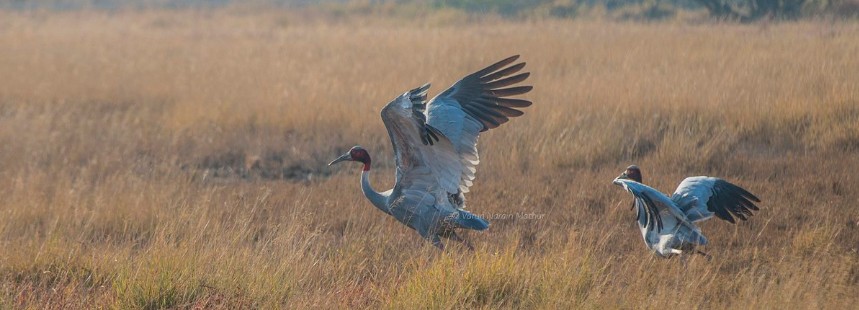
x=436, y=241
x=453, y=236
x=707, y=256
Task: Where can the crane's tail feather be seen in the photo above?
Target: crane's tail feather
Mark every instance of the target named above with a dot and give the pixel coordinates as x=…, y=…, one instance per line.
x=469, y=220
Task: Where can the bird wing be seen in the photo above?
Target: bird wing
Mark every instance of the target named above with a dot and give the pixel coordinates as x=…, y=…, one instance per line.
x=653, y=203
x=476, y=103
x=702, y=197
x=432, y=163
x=437, y=141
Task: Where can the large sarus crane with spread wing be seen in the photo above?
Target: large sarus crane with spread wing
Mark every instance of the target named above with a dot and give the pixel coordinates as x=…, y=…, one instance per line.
x=435, y=146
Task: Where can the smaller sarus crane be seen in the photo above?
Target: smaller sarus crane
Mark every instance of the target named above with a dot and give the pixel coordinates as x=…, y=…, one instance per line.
x=668, y=223
x=435, y=147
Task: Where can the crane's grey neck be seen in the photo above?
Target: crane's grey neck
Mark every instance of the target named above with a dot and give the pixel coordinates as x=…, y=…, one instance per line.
x=378, y=200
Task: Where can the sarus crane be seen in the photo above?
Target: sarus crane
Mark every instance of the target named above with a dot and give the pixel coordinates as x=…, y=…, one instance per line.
x=668, y=223
x=435, y=147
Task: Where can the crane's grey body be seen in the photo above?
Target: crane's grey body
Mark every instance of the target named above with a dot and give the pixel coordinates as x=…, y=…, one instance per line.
x=667, y=224
x=435, y=148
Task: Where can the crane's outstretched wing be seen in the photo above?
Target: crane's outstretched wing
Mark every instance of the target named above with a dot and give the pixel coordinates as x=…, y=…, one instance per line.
x=419, y=153
x=652, y=202
x=702, y=197
x=476, y=103
x=442, y=135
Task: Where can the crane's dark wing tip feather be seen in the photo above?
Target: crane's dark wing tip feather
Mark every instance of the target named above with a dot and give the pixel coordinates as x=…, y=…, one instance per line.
x=652, y=218
x=482, y=94
x=730, y=201
x=418, y=97
x=498, y=65
x=652, y=214
x=504, y=92
x=419, y=94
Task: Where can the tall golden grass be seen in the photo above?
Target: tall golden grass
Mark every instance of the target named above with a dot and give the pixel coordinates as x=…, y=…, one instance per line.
x=177, y=159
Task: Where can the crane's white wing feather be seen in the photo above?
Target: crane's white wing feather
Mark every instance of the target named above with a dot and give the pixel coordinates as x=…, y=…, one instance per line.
x=702, y=197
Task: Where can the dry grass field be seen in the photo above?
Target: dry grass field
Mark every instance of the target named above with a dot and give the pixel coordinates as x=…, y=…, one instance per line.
x=178, y=160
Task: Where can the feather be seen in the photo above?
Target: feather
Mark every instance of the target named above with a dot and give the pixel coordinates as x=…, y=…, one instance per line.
x=512, y=103
x=505, y=72
x=508, y=81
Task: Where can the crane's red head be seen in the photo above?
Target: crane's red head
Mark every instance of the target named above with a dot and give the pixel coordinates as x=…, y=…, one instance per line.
x=632, y=173
x=356, y=153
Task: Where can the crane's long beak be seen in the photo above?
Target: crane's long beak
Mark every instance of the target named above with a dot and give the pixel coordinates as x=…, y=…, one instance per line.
x=343, y=157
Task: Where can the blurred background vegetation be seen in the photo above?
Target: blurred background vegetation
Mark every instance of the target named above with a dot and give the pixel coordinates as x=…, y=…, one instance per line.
x=172, y=154
x=638, y=10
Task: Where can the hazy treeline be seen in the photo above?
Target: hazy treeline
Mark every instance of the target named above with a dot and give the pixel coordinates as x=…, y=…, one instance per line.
x=736, y=10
